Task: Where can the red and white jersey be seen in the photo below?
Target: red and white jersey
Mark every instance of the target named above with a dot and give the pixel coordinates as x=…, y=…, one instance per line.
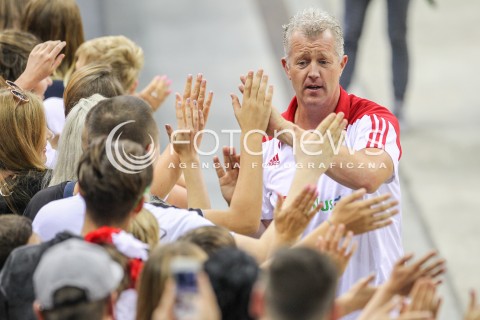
x=369, y=126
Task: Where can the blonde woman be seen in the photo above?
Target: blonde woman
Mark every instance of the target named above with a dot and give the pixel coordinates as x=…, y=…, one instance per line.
x=23, y=142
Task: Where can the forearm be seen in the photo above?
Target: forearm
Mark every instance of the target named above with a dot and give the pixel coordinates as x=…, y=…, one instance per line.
x=360, y=169
x=344, y=304
x=197, y=195
x=243, y=215
x=166, y=173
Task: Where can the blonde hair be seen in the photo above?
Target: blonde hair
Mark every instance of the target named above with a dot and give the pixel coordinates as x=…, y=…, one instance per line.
x=56, y=20
x=156, y=272
x=70, y=144
x=23, y=132
x=22, y=141
x=144, y=226
x=122, y=54
x=90, y=80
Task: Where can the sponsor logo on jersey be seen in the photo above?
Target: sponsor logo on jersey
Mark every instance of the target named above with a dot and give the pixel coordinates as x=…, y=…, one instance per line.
x=275, y=161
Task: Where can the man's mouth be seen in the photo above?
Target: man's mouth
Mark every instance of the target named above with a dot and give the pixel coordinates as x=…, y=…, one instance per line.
x=313, y=87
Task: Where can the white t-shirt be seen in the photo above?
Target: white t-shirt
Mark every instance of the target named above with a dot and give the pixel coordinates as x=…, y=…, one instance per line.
x=69, y=214
x=54, y=114
x=369, y=126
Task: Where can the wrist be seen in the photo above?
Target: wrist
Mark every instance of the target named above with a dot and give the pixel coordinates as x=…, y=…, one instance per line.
x=25, y=82
x=189, y=158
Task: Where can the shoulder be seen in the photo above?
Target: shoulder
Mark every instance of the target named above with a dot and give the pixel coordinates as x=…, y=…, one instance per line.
x=67, y=207
x=361, y=107
x=44, y=197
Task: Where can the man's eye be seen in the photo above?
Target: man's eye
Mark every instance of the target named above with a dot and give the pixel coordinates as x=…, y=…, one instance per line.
x=323, y=62
x=301, y=63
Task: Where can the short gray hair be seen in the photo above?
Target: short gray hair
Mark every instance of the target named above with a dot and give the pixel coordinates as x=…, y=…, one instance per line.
x=70, y=144
x=311, y=22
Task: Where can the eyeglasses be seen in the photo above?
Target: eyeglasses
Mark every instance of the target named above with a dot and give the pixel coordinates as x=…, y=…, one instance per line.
x=17, y=91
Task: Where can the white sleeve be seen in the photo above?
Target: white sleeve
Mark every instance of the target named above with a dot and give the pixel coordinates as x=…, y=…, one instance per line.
x=373, y=131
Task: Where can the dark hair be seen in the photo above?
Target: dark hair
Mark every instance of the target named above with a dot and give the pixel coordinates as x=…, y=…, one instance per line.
x=210, y=238
x=15, y=47
x=15, y=231
x=109, y=113
x=300, y=284
x=56, y=20
x=73, y=304
x=111, y=194
x=232, y=273
x=89, y=80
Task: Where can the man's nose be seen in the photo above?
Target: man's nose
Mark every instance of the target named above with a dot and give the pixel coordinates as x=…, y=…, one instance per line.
x=314, y=71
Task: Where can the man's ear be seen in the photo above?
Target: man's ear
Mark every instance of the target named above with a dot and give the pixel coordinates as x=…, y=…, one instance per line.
x=343, y=61
x=257, y=308
x=286, y=68
x=133, y=87
x=37, y=310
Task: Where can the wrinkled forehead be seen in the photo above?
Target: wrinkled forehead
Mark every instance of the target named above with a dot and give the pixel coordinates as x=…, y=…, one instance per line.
x=322, y=42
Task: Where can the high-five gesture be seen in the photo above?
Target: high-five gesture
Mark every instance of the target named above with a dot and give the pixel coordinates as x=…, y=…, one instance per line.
x=317, y=146
x=361, y=215
x=189, y=121
x=197, y=92
x=332, y=246
x=254, y=112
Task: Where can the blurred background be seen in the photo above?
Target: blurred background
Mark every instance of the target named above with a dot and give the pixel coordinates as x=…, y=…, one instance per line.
x=440, y=167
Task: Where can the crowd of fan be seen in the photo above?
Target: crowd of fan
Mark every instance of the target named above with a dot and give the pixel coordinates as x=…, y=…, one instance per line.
x=81, y=239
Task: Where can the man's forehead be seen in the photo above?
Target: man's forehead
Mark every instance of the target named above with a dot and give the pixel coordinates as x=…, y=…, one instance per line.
x=323, y=42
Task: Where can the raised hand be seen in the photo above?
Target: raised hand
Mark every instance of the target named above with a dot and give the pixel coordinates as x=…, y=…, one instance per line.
x=330, y=246
x=156, y=91
x=276, y=121
x=227, y=174
x=321, y=142
x=42, y=62
x=404, y=276
x=291, y=221
x=424, y=297
x=384, y=311
x=197, y=92
x=254, y=112
x=362, y=216
x=357, y=297
x=189, y=121
x=473, y=311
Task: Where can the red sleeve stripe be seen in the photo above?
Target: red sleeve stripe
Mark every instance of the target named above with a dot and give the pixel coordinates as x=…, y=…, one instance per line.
x=384, y=140
x=377, y=136
x=381, y=121
x=374, y=128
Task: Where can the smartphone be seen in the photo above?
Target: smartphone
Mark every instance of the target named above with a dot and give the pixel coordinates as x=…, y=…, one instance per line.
x=184, y=271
